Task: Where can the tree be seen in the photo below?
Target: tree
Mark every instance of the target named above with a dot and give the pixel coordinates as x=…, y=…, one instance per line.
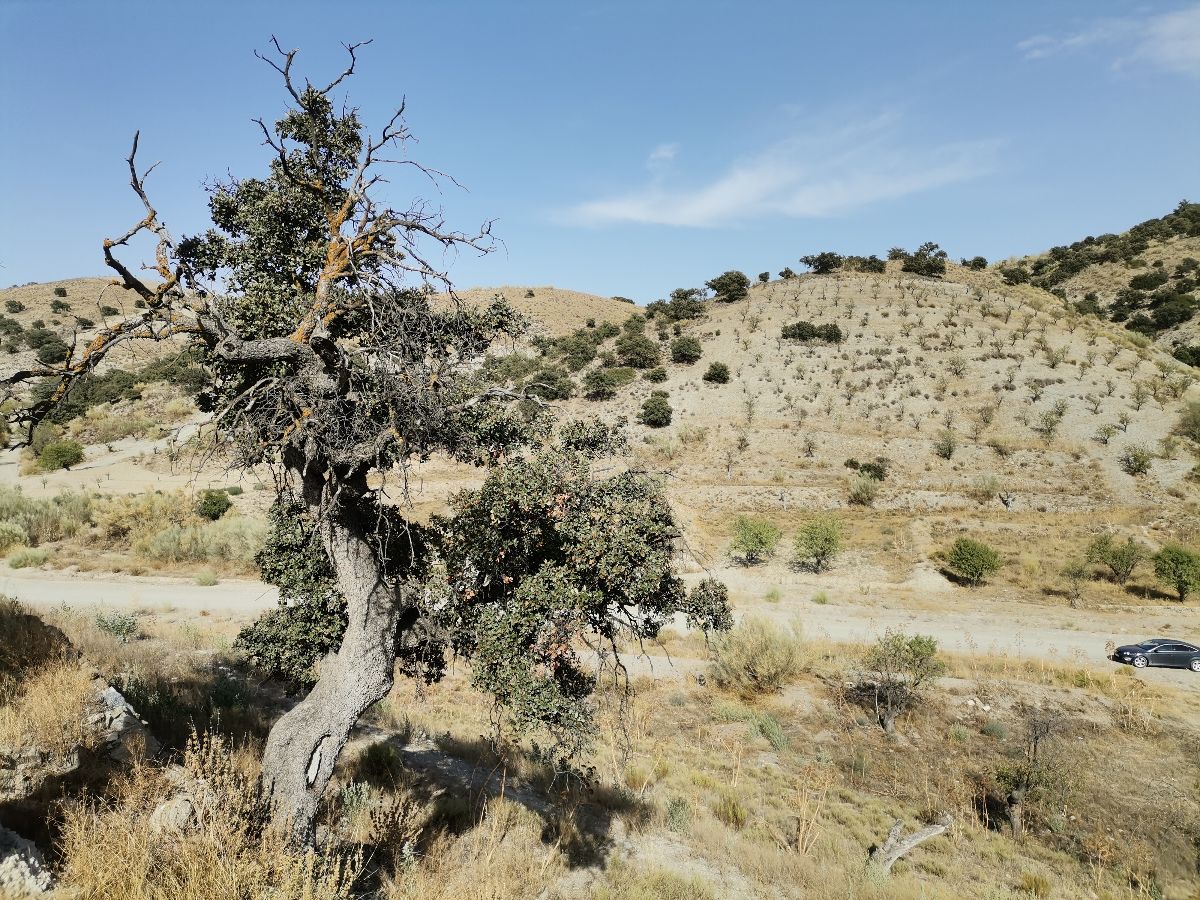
x=1178, y=568
x=754, y=538
x=787, y=273
x=1188, y=425
x=656, y=411
x=818, y=541
x=685, y=349
x=896, y=672
x=730, y=286
x=1076, y=573
x=717, y=373
x=1120, y=558
x=975, y=262
x=213, y=504
x=327, y=361
x=974, y=561
x=823, y=263
x=637, y=351
x=764, y=277
x=929, y=260
x=60, y=455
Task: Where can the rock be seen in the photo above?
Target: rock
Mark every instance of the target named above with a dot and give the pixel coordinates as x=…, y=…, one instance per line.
x=121, y=725
x=23, y=871
x=174, y=815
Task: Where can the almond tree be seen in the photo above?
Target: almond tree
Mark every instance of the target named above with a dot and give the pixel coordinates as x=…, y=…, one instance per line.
x=330, y=361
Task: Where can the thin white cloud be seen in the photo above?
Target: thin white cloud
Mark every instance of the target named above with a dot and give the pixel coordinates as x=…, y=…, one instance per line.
x=662, y=155
x=1169, y=41
x=801, y=177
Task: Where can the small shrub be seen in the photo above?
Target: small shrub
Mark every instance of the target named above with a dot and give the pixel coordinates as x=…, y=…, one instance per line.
x=818, y=542
x=974, y=561
x=757, y=658
x=895, y=673
x=1120, y=558
x=685, y=349
x=679, y=815
x=717, y=373
x=206, y=579
x=754, y=538
x=122, y=626
x=213, y=504
x=945, y=443
x=768, y=726
x=730, y=811
x=60, y=307
x=12, y=535
x=14, y=306
x=656, y=411
x=994, y=728
x=27, y=557
x=60, y=292
x=863, y=490
x=60, y=455
x=656, y=375
x=1135, y=460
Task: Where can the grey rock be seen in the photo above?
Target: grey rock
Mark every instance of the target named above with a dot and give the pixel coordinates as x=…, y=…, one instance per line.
x=23, y=871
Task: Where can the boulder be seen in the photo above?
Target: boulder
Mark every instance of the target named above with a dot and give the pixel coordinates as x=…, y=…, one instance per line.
x=23, y=871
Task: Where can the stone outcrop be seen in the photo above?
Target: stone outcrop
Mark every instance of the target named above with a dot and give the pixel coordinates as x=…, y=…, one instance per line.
x=23, y=871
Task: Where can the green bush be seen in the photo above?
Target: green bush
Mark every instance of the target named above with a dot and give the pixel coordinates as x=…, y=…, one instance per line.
x=685, y=349
x=1188, y=425
x=60, y=292
x=973, y=561
x=12, y=535
x=656, y=411
x=107, y=310
x=1178, y=568
x=45, y=519
x=863, y=490
x=896, y=672
x=60, y=307
x=122, y=626
x=27, y=557
x=717, y=373
x=14, y=306
x=757, y=658
x=945, y=443
x=730, y=286
x=637, y=351
x=602, y=384
x=1135, y=460
x=656, y=375
x=551, y=384
x=818, y=541
x=1121, y=558
x=213, y=504
x=754, y=538
x=60, y=455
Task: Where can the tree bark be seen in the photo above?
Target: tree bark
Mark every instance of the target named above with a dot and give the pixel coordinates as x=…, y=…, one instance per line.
x=897, y=845
x=306, y=741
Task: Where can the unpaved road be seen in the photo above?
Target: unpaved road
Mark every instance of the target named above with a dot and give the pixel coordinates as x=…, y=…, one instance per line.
x=1018, y=630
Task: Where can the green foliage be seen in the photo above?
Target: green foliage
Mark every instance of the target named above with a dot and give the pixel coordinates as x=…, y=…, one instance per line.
x=656, y=375
x=1188, y=425
x=308, y=623
x=945, y=443
x=550, y=384
x=1135, y=459
x=60, y=307
x=871, y=265
x=1014, y=275
x=754, y=538
x=1178, y=568
x=1120, y=558
x=830, y=333
x=11, y=535
x=973, y=561
x=730, y=286
x=685, y=349
x=122, y=626
x=27, y=557
x=678, y=816
x=544, y=554
x=60, y=292
x=14, y=306
x=656, y=411
x=822, y=263
x=213, y=504
x=637, y=351
x=863, y=490
x=685, y=303
x=757, y=658
x=897, y=671
x=60, y=455
x=764, y=277
x=977, y=263
x=928, y=260
x=787, y=273
x=603, y=384
x=717, y=373
x=818, y=541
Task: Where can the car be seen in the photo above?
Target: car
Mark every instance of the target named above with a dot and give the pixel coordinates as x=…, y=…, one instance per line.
x=1166, y=652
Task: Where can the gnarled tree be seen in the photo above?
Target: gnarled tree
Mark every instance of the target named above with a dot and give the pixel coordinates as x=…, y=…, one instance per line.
x=331, y=362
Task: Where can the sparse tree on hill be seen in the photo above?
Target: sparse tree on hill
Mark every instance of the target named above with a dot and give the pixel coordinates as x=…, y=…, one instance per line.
x=818, y=541
x=764, y=277
x=1120, y=558
x=327, y=362
x=730, y=287
x=895, y=674
x=754, y=539
x=1178, y=568
x=973, y=561
x=823, y=263
x=787, y=273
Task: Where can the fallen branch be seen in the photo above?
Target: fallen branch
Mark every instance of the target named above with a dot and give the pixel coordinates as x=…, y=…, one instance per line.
x=885, y=855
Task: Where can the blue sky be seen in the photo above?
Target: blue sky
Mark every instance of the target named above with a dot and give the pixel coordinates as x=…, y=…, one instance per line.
x=627, y=147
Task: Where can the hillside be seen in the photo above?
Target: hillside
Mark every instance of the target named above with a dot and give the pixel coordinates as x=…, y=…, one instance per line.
x=1145, y=278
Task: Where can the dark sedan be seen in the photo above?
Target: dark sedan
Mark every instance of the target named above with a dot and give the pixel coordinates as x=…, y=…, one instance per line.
x=1166, y=652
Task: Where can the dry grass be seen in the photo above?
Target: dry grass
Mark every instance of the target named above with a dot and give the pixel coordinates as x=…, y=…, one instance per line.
x=46, y=709
x=111, y=853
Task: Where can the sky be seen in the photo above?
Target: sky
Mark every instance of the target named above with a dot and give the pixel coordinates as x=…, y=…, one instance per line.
x=624, y=148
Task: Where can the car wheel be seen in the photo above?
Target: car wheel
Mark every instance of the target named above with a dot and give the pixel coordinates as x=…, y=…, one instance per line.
x=1140, y=662
x=1194, y=665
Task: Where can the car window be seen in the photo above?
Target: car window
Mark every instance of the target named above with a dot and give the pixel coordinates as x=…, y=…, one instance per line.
x=1148, y=645
x=1173, y=648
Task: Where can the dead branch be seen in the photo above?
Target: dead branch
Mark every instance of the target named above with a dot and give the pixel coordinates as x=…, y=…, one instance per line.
x=883, y=857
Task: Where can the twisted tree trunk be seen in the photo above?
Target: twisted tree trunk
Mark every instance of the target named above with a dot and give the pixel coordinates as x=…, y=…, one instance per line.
x=306, y=741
